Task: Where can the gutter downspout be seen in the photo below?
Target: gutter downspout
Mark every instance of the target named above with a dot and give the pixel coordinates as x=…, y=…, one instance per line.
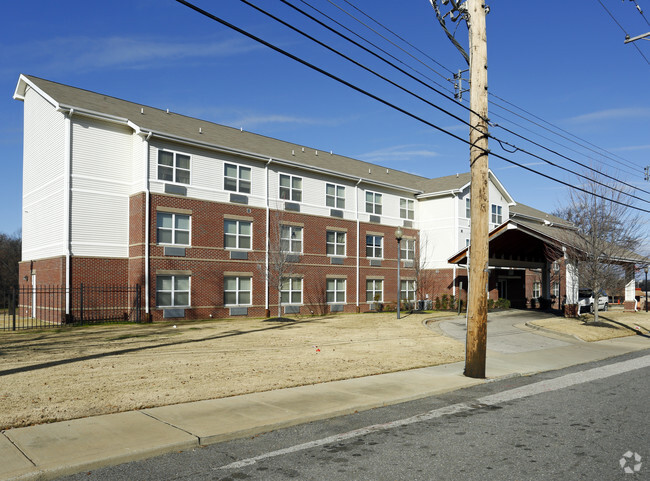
x=356, y=208
x=67, y=205
x=147, y=227
x=268, y=217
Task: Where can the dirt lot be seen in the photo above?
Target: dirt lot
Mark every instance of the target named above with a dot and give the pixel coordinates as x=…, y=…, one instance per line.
x=611, y=324
x=60, y=374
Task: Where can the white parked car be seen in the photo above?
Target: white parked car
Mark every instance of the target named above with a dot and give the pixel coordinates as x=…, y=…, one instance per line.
x=586, y=301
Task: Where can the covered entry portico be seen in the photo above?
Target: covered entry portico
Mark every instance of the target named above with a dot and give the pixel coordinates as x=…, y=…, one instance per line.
x=518, y=245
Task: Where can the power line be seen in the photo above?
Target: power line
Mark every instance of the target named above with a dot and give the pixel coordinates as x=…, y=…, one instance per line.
x=383, y=101
x=501, y=142
x=624, y=31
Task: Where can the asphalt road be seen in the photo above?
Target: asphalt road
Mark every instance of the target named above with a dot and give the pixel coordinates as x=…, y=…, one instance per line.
x=577, y=423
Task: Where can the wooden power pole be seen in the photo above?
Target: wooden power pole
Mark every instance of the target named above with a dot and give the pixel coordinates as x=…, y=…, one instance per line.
x=475, y=356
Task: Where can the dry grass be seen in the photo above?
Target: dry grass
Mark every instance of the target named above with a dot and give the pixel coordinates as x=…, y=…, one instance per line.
x=59, y=374
x=611, y=324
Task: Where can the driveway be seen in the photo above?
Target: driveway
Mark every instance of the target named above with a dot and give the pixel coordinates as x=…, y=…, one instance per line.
x=507, y=333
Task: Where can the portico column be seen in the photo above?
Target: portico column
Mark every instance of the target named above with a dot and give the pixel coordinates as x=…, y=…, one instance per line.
x=630, y=303
x=572, y=282
x=546, y=281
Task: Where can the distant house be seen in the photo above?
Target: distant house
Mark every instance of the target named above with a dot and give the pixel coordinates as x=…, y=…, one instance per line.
x=119, y=193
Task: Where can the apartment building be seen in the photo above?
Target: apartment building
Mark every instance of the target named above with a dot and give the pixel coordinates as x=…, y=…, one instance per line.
x=214, y=221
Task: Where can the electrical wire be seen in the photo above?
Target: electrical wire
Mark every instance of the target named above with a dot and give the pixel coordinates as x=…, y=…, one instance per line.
x=387, y=103
x=624, y=31
x=501, y=142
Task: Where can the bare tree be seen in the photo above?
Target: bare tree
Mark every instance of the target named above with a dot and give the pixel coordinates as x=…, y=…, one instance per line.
x=10, y=253
x=424, y=277
x=605, y=234
x=281, y=261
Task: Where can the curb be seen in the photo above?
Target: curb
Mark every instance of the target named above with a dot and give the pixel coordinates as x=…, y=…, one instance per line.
x=551, y=331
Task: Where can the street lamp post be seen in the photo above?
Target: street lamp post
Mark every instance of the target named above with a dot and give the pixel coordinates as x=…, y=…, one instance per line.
x=645, y=269
x=398, y=236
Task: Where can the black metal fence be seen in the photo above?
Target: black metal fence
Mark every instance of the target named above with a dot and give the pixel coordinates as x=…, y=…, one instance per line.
x=45, y=306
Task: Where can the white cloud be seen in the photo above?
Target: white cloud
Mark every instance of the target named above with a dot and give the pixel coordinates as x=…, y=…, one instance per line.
x=632, y=148
x=398, y=153
x=612, y=114
x=83, y=54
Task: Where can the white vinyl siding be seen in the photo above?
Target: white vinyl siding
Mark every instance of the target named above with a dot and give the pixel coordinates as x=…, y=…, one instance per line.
x=43, y=182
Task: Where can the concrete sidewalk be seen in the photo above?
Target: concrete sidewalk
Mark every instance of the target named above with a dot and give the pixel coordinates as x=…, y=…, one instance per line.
x=51, y=450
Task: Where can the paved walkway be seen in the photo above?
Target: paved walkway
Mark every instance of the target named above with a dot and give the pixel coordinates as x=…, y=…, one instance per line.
x=51, y=450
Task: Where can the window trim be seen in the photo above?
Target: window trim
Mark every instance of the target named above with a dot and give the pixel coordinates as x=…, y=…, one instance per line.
x=292, y=190
x=291, y=290
x=337, y=281
x=412, y=291
x=335, y=243
x=237, y=235
x=238, y=290
x=292, y=229
x=174, y=167
x=498, y=214
x=410, y=213
x=173, y=291
x=335, y=198
x=375, y=207
x=404, y=251
x=373, y=247
x=238, y=180
x=555, y=289
x=374, y=284
x=537, y=286
x=173, y=229
x=468, y=207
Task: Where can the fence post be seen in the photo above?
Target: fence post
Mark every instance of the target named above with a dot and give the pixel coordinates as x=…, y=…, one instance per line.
x=137, y=303
x=13, y=304
x=81, y=303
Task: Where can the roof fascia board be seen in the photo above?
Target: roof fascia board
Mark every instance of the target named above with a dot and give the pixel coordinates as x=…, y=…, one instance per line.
x=21, y=90
x=442, y=193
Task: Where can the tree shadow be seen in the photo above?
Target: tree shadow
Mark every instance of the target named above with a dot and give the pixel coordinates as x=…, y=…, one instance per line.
x=286, y=323
x=620, y=324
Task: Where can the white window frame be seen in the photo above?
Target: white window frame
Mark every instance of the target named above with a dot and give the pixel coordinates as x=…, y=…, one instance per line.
x=374, y=248
x=373, y=283
x=175, y=169
x=407, y=248
x=537, y=289
x=238, y=236
x=468, y=208
x=242, y=185
x=290, y=235
x=556, y=266
x=293, y=194
x=336, y=244
x=556, y=289
x=497, y=214
x=173, y=229
x=290, y=283
x=373, y=205
x=407, y=208
x=337, y=199
x=174, y=291
x=238, y=290
x=338, y=289
x=407, y=290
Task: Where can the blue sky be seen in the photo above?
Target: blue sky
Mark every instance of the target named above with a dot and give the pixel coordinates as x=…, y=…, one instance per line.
x=564, y=62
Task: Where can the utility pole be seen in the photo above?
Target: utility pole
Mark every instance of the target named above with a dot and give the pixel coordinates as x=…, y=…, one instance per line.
x=474, y=12
x=476, y=346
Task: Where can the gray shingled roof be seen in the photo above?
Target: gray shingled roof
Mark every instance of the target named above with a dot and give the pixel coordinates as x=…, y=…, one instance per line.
x=520, y=210
x=447, y=183
x=185, y=127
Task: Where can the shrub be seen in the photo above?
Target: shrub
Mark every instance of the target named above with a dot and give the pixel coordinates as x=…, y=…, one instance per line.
x=438, y=303
x=444, y=303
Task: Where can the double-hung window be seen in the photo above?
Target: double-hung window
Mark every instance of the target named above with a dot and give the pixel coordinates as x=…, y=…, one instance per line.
x=291, y=239
x=496, y=214
x=407, y=290
x=335, y=243
x=291, y=292
x=173, y=228
x=407, y=248
x=335, y=196
x=237, y=291
x=172, y=291
x=406, y=210
x=373, y=203
x=173, y=167
x=468, y=208
x=374, y=246
x=290, y=188
x=374, y=290
x=556, y=289
x=336, y=290
x=237, y=178
x=536, y=289
x=237, y=234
